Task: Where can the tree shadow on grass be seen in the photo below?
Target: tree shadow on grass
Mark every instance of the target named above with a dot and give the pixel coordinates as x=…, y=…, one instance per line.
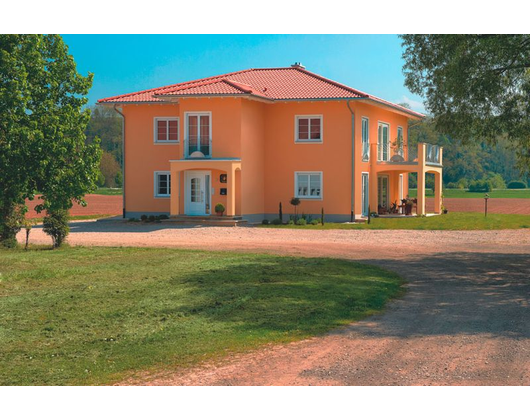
x=286, y=295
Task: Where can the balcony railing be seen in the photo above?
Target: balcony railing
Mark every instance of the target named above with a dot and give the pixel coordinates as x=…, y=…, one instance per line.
x=432, y=153
x=199, y=148
x=410, y=155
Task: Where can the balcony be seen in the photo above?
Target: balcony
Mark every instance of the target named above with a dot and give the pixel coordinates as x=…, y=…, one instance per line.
x=198, y=148
x=425, y=154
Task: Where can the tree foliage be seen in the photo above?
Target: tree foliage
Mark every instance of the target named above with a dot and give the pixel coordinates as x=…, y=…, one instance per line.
x=477, y=87
x=106, y=125
x=42, y=123
x=467, y=162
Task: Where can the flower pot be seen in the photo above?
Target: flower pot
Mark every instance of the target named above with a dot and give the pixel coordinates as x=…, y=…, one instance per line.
x=219, y=213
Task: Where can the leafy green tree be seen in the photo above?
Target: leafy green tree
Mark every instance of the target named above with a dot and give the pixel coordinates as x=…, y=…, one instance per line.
x=42, y=123
x=106, y=125
x=476, y=86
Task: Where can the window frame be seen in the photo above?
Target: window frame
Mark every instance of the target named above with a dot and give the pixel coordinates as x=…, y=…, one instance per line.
x=363, y=119
x=379, y=124
x=309, y=117
x=155, y=130
x=309, y=173
x=156, y=184
x=187, y=114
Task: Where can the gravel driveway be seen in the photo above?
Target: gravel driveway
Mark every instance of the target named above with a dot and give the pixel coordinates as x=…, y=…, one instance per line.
x=465, y=319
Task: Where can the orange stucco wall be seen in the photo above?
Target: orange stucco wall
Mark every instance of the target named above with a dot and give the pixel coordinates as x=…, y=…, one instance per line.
x=262, y=135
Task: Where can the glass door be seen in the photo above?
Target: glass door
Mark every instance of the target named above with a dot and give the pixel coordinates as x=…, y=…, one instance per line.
x=199, y=133
x=364, y=199
x=382, y=187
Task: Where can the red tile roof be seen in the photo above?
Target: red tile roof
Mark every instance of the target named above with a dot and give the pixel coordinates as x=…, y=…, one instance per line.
x=274, y=84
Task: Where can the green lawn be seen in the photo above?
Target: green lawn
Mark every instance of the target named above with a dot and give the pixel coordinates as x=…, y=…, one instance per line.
x=456, y=193
x=450, y=221
x=108, y=191
x=96, y=315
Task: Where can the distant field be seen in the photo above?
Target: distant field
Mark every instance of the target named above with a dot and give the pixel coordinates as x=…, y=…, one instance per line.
x=455, y=193
x=108, y=191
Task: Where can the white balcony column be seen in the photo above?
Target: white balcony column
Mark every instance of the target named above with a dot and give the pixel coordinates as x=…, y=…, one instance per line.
x=438, y=192
x=421, y=179
x=231, y=193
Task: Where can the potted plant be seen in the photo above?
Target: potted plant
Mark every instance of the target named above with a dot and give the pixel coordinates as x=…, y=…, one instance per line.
x=219, y=209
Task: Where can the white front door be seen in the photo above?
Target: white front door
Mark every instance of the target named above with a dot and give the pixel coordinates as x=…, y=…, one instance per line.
x=197, y=193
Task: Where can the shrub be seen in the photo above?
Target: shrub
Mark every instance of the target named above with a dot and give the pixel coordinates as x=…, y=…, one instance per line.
x=290, y=222
x=219, y=208
x=10, y=226
x=265, y=222
x=496, y=180
x=314, y=222
x=133, y=219
x=301, y=222
x=151, y=218
x=143, y=217
x=163, y=217
x=277, y=222
x=480, y=186
x=513, y=185
x=55, y=224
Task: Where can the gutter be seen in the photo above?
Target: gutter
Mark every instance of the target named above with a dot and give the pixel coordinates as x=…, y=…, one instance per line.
x=123, y=154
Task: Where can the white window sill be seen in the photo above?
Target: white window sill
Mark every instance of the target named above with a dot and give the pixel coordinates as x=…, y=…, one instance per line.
x=167, y=142
x=162, y=196
x=309, y=141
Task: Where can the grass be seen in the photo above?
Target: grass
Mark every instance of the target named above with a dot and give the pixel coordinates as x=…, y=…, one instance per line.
x=456, y=193
x=108, y=191
x=450, y=221
x=96, y=315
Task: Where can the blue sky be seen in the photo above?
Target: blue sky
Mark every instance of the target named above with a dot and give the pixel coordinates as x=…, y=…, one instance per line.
x=127, y=63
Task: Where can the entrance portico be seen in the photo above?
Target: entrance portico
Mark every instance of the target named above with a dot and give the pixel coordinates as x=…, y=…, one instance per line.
x=192, y=191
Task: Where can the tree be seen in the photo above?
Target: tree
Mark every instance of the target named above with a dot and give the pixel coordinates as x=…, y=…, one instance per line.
x=109, y=168
x=476, y=86
x=42, y=123
x=106, y=125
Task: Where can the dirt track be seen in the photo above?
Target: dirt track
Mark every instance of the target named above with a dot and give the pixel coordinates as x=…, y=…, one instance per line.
x=463, y=321
x=495, y=205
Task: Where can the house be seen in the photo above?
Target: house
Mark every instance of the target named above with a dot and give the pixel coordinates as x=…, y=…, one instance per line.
x=255, y=138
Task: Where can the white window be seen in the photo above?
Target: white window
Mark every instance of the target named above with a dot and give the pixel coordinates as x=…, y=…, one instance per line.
x=383, y=143
x=308, y=129
x=198, y=134
x=166, y=130
x=162, y=184
x=365, y=139
x=400, y=144
x=308, y=185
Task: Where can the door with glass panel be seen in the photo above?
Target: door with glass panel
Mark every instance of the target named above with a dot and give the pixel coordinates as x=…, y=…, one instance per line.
x=198, y=135
x=364, y=198
x=383, y=142
x=197, y=193
x=382, y=187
